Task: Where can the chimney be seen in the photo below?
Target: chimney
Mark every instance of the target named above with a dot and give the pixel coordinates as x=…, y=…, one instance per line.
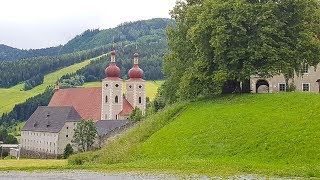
x=56, y=86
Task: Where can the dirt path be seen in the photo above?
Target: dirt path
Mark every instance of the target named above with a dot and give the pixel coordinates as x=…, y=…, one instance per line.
x=77, y=175
x=86, y=175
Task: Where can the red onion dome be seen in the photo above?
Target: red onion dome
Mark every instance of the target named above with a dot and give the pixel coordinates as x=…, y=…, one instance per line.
x=135, y=72
x=113, y=70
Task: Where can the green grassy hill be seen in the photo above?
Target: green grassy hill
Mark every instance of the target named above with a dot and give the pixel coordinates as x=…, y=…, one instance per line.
x=269, y=134
x=12, y=96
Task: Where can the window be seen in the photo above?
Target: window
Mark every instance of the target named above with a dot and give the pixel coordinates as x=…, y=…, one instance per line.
x=106, y=85
x=282, y=87
x=106, y=116
x=67, y=135
x=140, y=100
x=67, y=127
x=130, y=86
x=140, y=86
x=106, y=99
x=116, y=99
x=305, y=68
x=116, y=117
x=305, y=87
x=117, y=85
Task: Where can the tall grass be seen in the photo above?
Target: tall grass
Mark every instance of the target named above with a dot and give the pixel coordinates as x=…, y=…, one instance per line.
x=124, y=149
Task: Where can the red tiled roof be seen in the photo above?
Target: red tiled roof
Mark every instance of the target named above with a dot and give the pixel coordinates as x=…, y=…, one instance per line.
x=87, y=101
x=127, y=108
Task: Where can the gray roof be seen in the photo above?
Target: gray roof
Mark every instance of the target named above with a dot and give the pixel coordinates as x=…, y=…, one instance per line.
x=51, y=119
x=105, y=126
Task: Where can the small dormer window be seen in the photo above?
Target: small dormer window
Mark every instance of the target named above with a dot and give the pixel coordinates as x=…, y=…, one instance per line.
x=130, y=86
x=117, y=85
x=305, y=68
x=106, y=85
x=140, y=86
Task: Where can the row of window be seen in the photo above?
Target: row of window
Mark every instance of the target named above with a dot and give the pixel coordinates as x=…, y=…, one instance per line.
x=39, y=134
x=116, y=99
x=305, y=87
x=40, y=149
x=39, y=142
x=117, y=85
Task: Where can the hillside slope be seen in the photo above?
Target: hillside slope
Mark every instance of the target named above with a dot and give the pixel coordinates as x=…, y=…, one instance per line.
x=9, y=97
x=269, y=134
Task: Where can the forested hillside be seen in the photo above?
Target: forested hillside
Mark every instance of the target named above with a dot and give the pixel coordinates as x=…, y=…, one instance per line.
x=147, y=30
x=145, y=37
x=8, y=53
x=14, y=72
x=126, y=32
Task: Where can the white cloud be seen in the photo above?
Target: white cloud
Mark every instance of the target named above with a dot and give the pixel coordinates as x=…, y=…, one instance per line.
x=44, y=23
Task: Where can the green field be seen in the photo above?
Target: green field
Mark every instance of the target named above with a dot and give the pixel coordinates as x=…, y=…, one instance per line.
x=263, y=134
x=12, y=96
x=151, y=87
x=31, y=164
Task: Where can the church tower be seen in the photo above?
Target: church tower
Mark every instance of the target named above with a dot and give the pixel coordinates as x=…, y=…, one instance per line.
x=136, y=91
x=112, y=98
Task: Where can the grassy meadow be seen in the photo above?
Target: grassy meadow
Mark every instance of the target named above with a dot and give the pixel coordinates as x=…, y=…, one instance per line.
x=151, y=87
x=264, y=134
x=12, y=96
x=31, y=164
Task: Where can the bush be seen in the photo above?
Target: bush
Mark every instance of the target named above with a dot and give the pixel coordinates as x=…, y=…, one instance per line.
x=67, y=151
x=136, y=115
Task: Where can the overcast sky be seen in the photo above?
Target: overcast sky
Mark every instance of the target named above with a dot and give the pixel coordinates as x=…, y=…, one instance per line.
x=44, y=23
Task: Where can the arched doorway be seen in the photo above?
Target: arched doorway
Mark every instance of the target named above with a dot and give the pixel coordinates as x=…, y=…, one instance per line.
x=262, y=86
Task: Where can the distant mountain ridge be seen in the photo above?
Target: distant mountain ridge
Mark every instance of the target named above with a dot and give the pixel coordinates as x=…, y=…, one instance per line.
x=89, y=39
x=8, y=53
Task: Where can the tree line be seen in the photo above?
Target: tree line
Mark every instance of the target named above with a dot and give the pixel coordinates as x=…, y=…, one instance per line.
x=14, y=72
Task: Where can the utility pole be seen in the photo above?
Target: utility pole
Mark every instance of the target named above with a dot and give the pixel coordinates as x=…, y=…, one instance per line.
x=1, y=148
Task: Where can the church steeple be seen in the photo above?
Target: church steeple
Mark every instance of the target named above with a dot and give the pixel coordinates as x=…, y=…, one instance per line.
x=113, y=70
x=136, y=92
x=112, y=101
x=135, y=72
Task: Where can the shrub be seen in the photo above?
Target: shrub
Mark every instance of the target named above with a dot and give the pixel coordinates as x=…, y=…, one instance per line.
x=136, y=115
x=67, y=151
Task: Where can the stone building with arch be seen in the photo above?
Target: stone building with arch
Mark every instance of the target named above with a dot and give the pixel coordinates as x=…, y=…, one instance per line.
x=306, y=82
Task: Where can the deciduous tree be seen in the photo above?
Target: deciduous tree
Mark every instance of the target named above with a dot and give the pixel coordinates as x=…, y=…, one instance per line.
x=218, y=41
x=84, y=135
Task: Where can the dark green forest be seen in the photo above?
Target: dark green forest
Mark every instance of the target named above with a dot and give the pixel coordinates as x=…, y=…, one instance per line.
x=8, y=53
x=14, y=72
